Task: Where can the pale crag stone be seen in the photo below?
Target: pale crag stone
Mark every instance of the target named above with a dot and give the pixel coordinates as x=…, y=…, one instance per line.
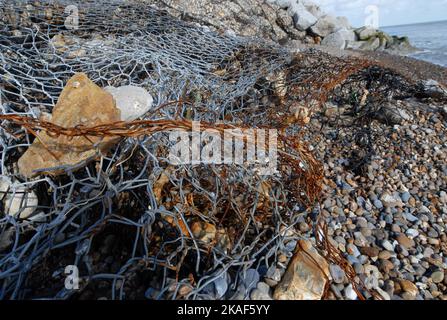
x=302, y=18
x=326, y=25
x=17, y=200
x=81, y=103
x=132, y=101
x=339, y=39
x=304, y=280
x=365, y=33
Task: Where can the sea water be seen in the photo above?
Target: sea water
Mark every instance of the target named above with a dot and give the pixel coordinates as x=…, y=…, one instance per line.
x=430, y=38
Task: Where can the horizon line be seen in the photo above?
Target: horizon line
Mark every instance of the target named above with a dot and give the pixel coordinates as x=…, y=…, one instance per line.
x=413, y=23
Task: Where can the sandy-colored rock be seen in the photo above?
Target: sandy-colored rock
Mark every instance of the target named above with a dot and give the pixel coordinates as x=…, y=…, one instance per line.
x=204, y=231
x=81, y=103
x=370, y=251
x=409, y=287
x=306, y=276
x=405, y=241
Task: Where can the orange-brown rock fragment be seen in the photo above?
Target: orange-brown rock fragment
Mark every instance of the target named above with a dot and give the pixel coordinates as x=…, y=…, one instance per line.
x=81, y=103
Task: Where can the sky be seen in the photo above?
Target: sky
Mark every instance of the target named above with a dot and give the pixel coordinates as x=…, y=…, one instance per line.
x=388, y=12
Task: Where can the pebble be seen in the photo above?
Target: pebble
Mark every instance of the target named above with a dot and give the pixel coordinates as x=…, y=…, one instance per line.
x=262, y=292
x=132, y=101
x=412, y=233
x=428, y=252
x=372, y=270
x=437, y=276
x=363, y=259
x=353, y=250
x=409, y=287
x=370, y=251
x=405, y=196
x=18, y=201
x=419, y=270
x=378, y=204
x=350, y=293
x=387, y=245
x=358, y=267
x=389, y=219
x=270, y=282
x=384, y=294
x=353, y=260
x=221, y=286
x=432, y=233
x=371, y=282
x=274, y=274
x=263, y=287
x=411, y=217
x=360, y=239
x=249, y=279
x=402, y=250
x=385, y=255
x=408, y=296
x=336, y=291
x=386, y=266
x=362, y=222
x=405, y=241
x=337, y=273
x=395, y=228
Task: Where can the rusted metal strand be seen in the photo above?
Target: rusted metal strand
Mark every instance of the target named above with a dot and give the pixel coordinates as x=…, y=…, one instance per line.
x=333, y=255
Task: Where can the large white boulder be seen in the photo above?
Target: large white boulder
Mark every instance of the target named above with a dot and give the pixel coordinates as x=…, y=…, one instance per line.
x=314, y=9
x=339, y=39
x=354, y=45
x=326, y=25
x=366, y=33
x=302, y=18
x=283, y=4
x=344, y=22
x=371, y=45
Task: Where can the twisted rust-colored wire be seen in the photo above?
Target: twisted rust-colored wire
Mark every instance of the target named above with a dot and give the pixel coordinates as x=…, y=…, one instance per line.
x=311, y=177
x=113, y=129
x=333, y=255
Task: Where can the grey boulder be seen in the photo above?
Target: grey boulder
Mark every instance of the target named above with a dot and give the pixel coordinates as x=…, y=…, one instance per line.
x=339, y=39
x=302, y=18
x=365, y=33
x=326, y=25
x=434, y=89
x=314, y=9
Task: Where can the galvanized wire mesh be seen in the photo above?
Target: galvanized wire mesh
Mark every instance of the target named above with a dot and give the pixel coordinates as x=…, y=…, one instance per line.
x=132, y=197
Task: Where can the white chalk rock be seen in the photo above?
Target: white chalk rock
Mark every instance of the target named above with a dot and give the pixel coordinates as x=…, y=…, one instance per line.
x=17, y=200
x=133, y=101
x=5, y=184
x=283, y=4
x=326, y=25
x=302, y=18
x=339, y=39
x=314, y=9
